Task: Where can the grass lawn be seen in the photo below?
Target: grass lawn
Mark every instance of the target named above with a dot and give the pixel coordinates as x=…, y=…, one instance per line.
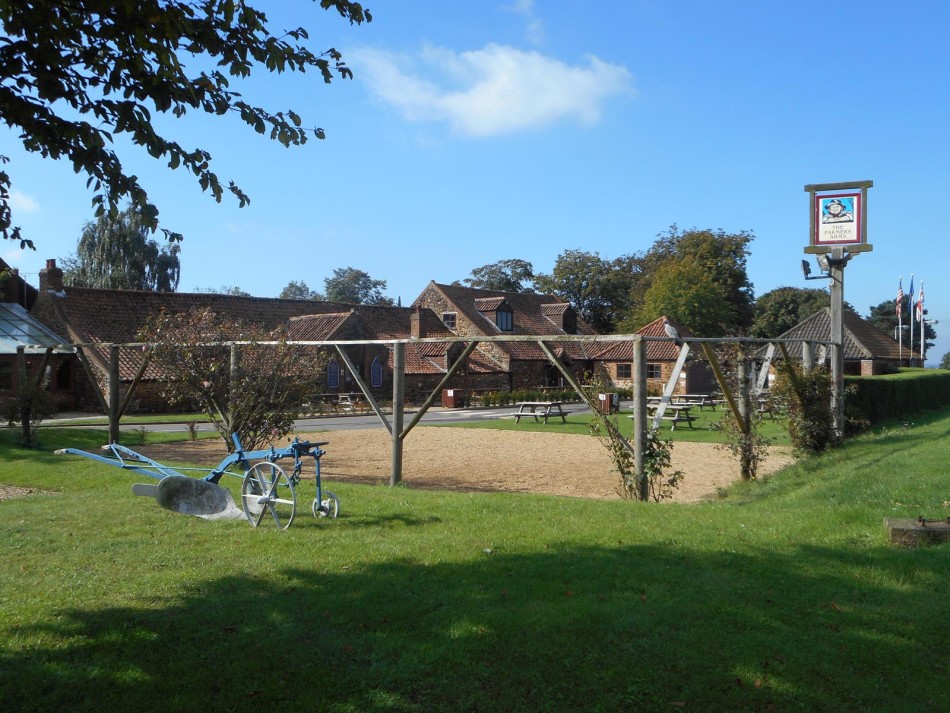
x=703, y=430
x=784, y=596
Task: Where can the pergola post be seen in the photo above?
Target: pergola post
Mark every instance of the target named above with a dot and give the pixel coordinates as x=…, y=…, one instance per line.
x=399, y=381
x=639, y=434
x=745, y=410
x=113, y=393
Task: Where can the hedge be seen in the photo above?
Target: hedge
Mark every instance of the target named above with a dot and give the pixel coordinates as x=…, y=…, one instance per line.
x=898, y=395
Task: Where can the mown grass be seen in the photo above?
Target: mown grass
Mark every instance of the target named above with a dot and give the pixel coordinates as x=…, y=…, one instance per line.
x=703, y=431
x=783, y=596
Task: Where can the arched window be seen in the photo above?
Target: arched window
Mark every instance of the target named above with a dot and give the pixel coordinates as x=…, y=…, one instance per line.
x=333, y=374
x=376, y=373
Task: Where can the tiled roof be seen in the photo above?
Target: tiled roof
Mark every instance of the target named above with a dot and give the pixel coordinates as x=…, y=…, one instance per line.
x=316, y=327
x=862, y=340
x=528, y=318
x=487, y=304
x=656, y=351
x=91, y=315
x=381, y=322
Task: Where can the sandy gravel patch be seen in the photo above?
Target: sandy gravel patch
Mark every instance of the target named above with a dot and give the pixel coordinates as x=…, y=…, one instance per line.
x=489, y=460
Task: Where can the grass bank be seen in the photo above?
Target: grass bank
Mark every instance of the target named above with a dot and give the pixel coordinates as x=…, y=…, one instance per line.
x=783, y=596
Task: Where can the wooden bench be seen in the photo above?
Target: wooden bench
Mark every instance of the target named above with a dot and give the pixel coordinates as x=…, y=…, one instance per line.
x=677, y=413
x=539, y=411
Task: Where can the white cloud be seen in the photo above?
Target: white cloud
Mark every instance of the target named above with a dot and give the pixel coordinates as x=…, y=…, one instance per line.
x=534, y=28
x=22, y=203
x=494, y=90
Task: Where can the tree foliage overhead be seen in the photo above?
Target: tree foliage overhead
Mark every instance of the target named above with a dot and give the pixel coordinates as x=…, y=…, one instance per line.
x=781, y=309
x=512, y=275
x=355, y=286
x=116, y=253
x=76, y=74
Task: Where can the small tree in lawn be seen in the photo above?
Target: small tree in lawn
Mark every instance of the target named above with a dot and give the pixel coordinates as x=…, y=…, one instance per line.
x=251, y=389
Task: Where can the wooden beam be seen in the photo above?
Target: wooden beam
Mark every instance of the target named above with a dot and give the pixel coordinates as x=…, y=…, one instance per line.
x=445, y=379
x=670, y=386
x=724, y=385
x=364, y=388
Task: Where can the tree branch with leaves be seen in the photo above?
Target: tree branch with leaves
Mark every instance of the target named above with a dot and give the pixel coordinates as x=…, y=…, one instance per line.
x=75, y=74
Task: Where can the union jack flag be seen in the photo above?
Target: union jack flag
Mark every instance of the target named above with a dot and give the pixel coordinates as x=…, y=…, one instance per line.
x=920, y=303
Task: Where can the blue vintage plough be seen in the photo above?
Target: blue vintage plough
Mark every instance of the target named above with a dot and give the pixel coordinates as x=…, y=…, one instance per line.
x=266, y=490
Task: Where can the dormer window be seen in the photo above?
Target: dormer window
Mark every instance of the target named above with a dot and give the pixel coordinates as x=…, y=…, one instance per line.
x=496, y=310
x=504, y=319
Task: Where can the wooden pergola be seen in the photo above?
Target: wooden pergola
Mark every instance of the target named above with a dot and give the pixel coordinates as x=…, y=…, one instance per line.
x=739, y=400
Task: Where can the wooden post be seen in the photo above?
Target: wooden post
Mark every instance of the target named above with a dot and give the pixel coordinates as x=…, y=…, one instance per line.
x=836, y=265
x=399, y=364
x=808, y=356
x=113, y=393
x=639, y=434
x=745, y=411
x=23, y=390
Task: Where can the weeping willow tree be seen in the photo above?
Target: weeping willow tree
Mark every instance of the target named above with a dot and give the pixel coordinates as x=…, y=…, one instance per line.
x=115, y=252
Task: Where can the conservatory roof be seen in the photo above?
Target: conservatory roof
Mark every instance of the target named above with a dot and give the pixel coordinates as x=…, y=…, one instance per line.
x=19, y=328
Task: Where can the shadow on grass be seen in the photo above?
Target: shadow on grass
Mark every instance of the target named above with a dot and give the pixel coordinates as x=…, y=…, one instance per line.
x=625, y=628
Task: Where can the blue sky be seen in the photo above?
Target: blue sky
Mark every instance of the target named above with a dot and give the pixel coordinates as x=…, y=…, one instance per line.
x=474, y=132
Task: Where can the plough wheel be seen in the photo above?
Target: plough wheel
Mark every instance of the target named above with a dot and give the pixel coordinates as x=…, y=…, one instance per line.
x=330, y=507
x=268, y=491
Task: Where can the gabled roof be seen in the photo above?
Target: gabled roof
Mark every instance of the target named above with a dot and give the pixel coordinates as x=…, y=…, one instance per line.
x=656, y=351
x=862, y=340
x=382, y=322
x=531, y=316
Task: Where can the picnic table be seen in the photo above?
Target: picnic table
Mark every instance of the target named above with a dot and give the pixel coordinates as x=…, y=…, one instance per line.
x=700, y=400
x=540, y=411
x=677, y=413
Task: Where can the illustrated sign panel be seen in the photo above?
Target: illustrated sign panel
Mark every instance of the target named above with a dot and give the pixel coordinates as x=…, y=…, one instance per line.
x=838, y=219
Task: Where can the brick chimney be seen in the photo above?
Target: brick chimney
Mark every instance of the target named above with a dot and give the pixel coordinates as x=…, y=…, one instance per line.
x=417, y=323
x=51, y=278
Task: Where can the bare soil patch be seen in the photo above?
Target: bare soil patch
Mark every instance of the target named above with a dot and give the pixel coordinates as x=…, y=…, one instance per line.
x=470, y=459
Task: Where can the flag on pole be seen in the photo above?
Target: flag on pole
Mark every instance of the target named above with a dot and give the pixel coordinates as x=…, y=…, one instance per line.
x=910, y=299
x=900, y=296
x=920, y=303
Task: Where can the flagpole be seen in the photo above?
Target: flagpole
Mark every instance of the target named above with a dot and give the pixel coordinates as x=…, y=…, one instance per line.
x=920, y=315
x=900, y=319
x=910, y=362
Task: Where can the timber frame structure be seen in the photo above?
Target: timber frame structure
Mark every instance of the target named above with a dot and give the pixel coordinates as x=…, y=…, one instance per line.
x=750, y=382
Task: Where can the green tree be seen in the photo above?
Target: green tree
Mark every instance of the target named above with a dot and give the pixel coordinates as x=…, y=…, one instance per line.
x=298, y=291
x=780, y=309
x=597, y=288
x=75, y=74
x=505, y=275
x=683, y=291
x=722, y=257
x=116, y=253
x=355, y=286
x=945, y=362
x=884, y=317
